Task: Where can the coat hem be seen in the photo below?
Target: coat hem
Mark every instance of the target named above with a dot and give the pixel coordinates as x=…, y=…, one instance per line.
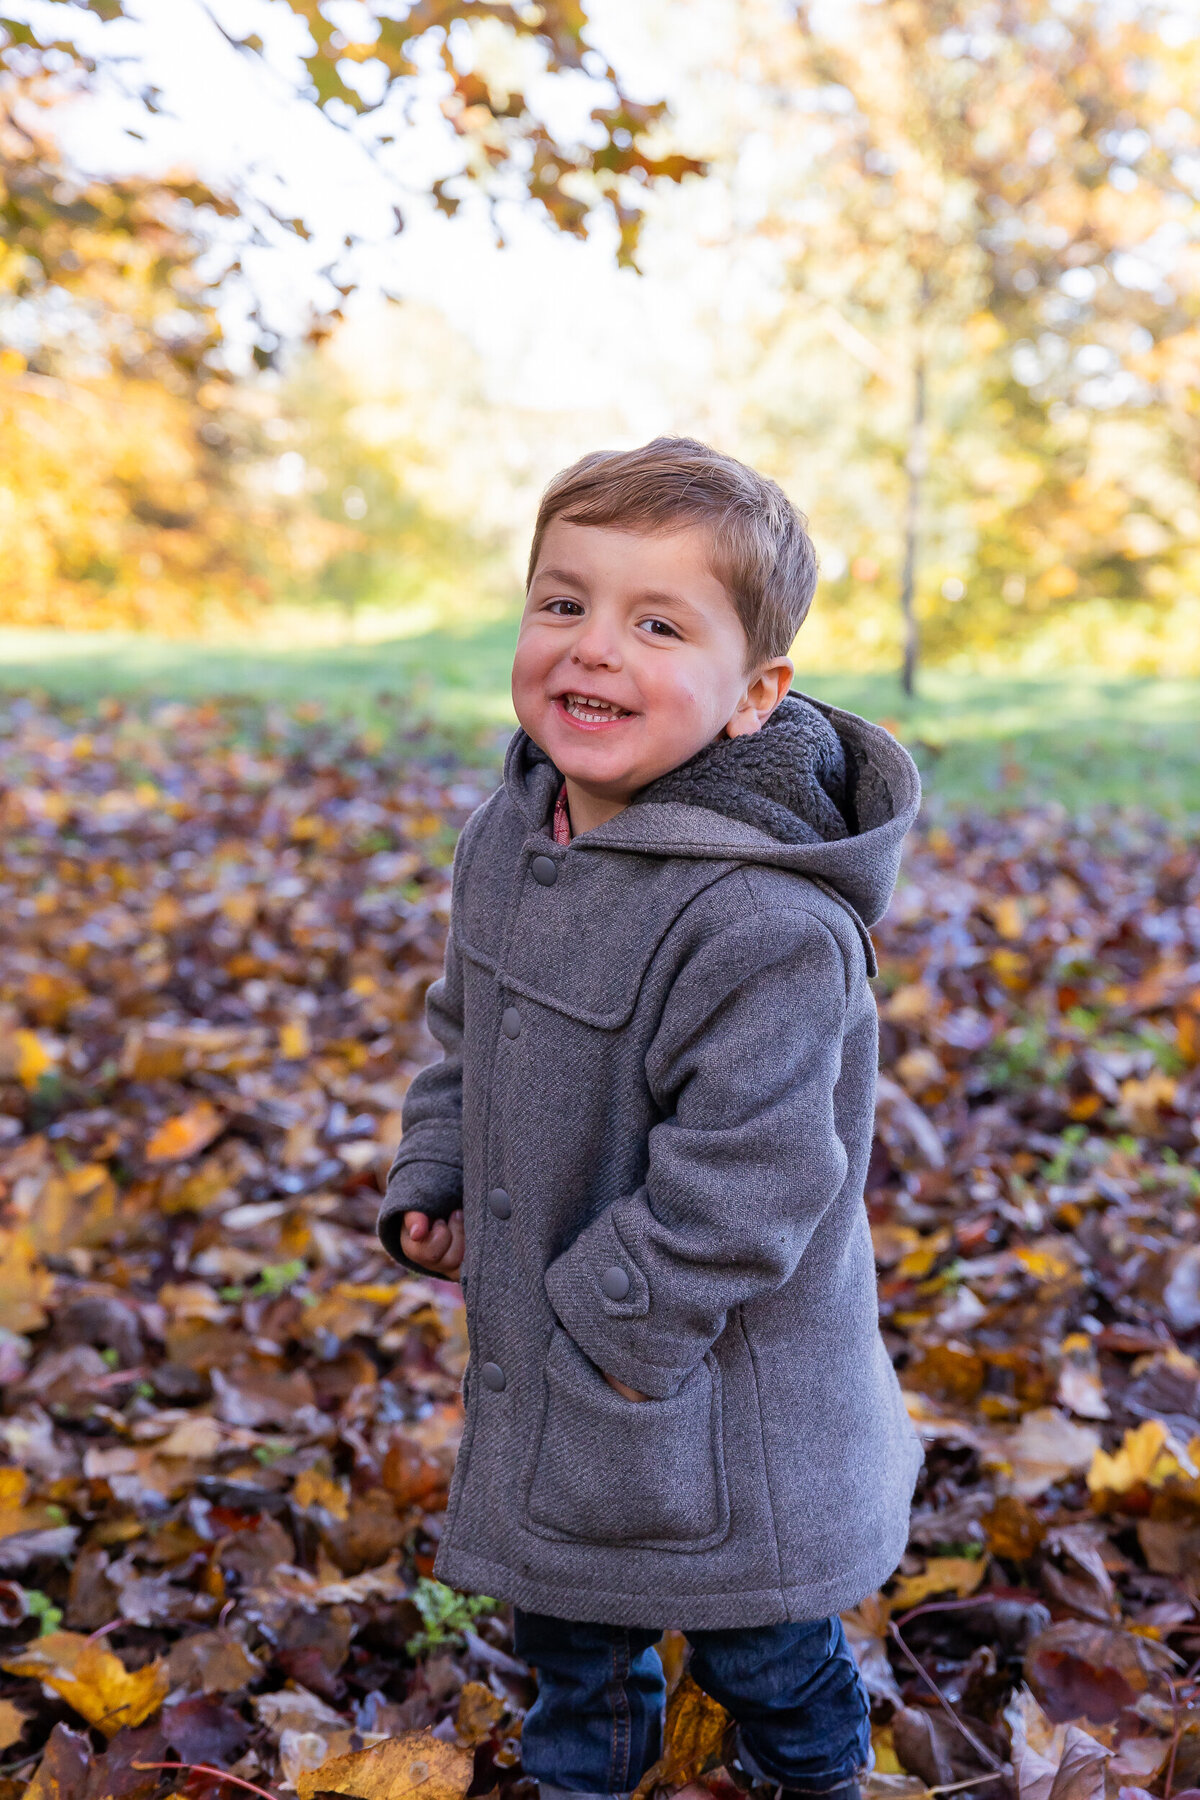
x=729, y=1610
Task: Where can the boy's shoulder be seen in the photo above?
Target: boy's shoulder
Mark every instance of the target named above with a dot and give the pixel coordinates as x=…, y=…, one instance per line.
x=781, y=907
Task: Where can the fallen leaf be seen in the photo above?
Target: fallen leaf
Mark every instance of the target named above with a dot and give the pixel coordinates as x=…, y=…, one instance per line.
x=12, y=1723
x=1046, y=1448
x=1078, y=1670
x=478, y=1711
x=214, y=1661
x=1053, y=1762
x=33, y=1059
x=26, y=1288
x=185, y=1134
x=959, y=1575
x=91, y=1679
x=63, y=1771
x=414, y=1766
x=692, y=1739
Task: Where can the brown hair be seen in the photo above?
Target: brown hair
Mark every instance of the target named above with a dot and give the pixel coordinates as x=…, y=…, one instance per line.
x=761, y=550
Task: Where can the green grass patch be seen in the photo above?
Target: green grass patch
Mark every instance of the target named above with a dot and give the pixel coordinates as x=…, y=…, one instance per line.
x=994, y=741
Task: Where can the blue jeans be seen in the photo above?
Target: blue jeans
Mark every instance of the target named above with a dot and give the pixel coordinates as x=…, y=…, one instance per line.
x=794, y=1692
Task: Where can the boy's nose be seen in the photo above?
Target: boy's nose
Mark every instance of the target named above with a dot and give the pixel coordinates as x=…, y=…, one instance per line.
x=596, y=650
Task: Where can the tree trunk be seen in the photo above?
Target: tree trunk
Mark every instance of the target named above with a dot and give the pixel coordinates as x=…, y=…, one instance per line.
x=915, y=464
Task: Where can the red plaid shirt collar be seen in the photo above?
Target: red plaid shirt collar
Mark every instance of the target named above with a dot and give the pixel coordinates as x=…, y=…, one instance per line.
x=561, y=830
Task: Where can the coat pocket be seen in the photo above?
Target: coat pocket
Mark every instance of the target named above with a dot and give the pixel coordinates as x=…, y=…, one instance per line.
x=644, y=1474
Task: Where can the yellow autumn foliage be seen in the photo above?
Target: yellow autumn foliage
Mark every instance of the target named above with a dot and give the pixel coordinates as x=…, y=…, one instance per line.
x=92, y=1679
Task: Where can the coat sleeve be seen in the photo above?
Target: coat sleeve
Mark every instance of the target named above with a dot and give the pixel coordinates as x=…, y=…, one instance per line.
x=426, y=1175
x=742, y=1166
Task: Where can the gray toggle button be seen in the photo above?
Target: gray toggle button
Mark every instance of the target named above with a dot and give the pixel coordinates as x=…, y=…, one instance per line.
x=510, y=1022
x=545, y=870
x=499, y=1204
x=492, y=1376
x=615, y=1283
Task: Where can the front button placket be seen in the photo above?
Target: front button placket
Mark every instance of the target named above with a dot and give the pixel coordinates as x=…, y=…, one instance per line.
x=499, y=1204
x=492, y=1377
x=544, y=870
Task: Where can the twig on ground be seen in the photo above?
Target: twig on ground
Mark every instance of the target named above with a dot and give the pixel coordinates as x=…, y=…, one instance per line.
x=207, y=1769
x=982, y=1750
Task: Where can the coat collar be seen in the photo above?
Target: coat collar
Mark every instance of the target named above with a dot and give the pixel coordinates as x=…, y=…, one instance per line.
x=860, y=870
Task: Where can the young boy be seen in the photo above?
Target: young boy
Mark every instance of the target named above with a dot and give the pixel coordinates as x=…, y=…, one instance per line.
x=645, y=1144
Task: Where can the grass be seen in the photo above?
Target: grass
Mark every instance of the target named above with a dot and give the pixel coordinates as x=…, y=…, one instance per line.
x=1082, y=739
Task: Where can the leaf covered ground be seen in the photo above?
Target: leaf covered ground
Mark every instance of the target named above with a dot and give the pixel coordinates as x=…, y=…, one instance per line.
x=228, y=1421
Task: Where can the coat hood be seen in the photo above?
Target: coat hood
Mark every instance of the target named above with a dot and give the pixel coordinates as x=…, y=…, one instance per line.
x=817, y=790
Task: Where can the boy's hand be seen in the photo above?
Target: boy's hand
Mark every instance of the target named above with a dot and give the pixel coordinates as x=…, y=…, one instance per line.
x=438, y=1247
x=627, y=1393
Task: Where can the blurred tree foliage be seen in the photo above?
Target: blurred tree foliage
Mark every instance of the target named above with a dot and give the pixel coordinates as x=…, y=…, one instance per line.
x=141, y=485
x=990, y=208
x=117, y=503
x=366, y=67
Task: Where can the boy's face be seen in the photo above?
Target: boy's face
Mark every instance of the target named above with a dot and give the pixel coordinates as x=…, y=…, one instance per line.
x=640, y=627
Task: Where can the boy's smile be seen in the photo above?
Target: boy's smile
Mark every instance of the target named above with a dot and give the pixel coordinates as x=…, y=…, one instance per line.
x=631, y=657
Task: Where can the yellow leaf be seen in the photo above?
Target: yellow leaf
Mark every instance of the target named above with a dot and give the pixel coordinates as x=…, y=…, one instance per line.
x=185, y=1134
x=695, y=1733
x=71, y=1206
x=25, y=1287
x=14, y=1485
x=910, y=1003
x=33, y=1059
x=1142, y=1101
x=413, y=1766
x=886, y=1760
x=1012, y=966
x=918, y=1262
x=294, y=1040
x=12, y=1723
x=959, y=1575
x=478, y=1711
x=92, y=1680
x=1044, y=1262
x=240, y=907
x=1144, y=1459
x=314, y=1489
x=1008, y=916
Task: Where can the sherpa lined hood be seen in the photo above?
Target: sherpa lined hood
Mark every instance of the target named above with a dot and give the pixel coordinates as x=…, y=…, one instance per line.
x=817, y=790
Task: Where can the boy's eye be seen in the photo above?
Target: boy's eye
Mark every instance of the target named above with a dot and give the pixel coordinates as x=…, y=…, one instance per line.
x=564, y=608
x=659, y=628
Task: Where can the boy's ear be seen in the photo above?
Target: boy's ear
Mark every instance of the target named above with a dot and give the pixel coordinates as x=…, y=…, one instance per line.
x=765, y=689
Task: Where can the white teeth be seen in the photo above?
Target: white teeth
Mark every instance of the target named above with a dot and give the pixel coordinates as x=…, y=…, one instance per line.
x=580, y=707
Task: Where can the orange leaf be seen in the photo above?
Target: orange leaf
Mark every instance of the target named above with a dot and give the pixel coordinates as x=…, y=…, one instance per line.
x=185, y=1134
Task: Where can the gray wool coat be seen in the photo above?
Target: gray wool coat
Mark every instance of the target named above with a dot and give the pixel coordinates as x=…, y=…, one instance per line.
x=655, y=1106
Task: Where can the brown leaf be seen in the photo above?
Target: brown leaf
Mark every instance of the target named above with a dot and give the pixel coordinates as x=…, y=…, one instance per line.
x=215, y=1661
x=63, y=1771
x=1013, y=1529
x=415, y=1766
x=1078, y=1670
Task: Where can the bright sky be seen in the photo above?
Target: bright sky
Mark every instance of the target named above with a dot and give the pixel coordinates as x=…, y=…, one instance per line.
x=557, y=324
